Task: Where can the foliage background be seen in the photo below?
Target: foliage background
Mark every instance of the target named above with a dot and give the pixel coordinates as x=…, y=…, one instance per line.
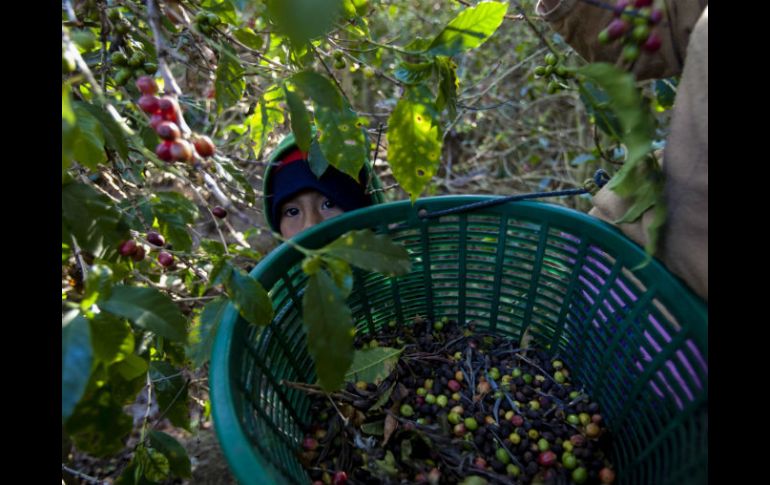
x=136, y=391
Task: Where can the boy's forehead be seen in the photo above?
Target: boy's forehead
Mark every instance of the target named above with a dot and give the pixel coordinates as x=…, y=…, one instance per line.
x=305, y=193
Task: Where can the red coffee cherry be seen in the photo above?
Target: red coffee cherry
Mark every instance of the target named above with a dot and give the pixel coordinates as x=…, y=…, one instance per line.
x=204, y=146
x=620, y=7
x=181, y=151
x=653, y=43
x=617, y=28
x=656, y=16
x=168, y=108
x=165, y=259
x=163, y=151
x=127, y=248
x=168, y=130
x=155, y=238
x=219, y=212
x=642, y=3
x=147, y=85
x=139, y=254
x=149, y=104
x=155, y=120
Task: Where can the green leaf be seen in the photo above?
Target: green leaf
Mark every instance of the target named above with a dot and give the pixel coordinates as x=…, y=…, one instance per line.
x=229, y=171
x=177, y=457
x=155, y=465
x=249, y=297
x=300, y=119
x=89, y=216
x=316, y=159
x=341, y=138
x=66, y=105
x=409, y=73
x=212, y=247
x=204, y=330
x=99, y=426
x=247, y=37
x=230, y=83
x=224, y=9
x=665, y=91
x=341, y=273
x=318, y=88
x=130, y=368
x=625, y=101
x=111, y=338
x=448, y=86
x=76, y=360
x=373, y=365
x=88, y=148
x=370, y=251
x=303, y=20
x=471, y=28
x=597, y=104
x=113, y=133
x=414, y=140
x=383, y=398
x=174, y=212
x=330, y=330
x=98, y=285
x=171, y=388
x=267, y=115
x=148, y=309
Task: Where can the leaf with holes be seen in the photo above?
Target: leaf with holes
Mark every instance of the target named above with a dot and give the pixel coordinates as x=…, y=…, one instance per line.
x=448, y=86
x=414, y=140
x=329, y=330
x=471, y=28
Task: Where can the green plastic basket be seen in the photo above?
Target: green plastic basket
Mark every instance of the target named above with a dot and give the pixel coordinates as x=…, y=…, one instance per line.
x=635, y=338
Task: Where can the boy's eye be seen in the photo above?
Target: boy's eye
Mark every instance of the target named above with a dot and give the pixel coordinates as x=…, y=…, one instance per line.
x=291, y=212
x=328, y=204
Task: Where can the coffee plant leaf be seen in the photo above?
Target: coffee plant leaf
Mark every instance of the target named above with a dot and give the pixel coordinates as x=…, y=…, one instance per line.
x=111, y=338
x=204, y=330
x=76, y=359
x=230, y=83
x=148, y=309
x=371, y=252
x=300, y=118
x=304, y=20
x=249, y=297
x=88, y=147
x=372, y=365
x=179, y=461
x=471, y=28
x=171, y=389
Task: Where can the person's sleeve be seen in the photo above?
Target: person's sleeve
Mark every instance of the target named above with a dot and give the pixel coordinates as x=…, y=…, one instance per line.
x=580, y=23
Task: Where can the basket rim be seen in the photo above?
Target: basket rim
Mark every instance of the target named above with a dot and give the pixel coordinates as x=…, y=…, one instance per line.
x=240, y=454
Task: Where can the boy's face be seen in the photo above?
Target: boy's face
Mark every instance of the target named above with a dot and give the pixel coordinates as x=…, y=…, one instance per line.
x=304, y=210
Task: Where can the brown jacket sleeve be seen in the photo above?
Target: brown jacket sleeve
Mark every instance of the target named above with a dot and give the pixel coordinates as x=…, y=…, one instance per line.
x=580, y=23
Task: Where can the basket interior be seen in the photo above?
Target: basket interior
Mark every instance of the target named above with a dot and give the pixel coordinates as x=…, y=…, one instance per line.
x=635, y=338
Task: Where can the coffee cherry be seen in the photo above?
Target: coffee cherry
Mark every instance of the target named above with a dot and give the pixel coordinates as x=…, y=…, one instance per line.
x=114, y=15
x=617, y=28
x=168, y=108
x=620, y=7
x=515, y=438
x=606, y=475
x=653, y=43
x=642, y=3
x=547, y=458
x=579, y=475
x=453, y=385
x=407, y=411
x=204, y=146
x=310, y=444
x=150, y=68
x=163, y=151
x=569, y=461
x=502, y=455
x=139, y=254
x=149, y=104
x=593, y=430
x=155, y=238
x=550, y=59
x=543, y=445
x=604, y=37
x=128, y=248
x=118, y=58
x=656, y=16
x=181, y=151
x=512, y=470
x=630, y=52
x=517, y=421
x=459, y=429
x=122, y=27
x=136, y=60
x=340, y=478
x=147, y=85
x=430, y=399
x=442, y=400
x=219, y=212
x=165, y=259
x=122, y=76
x=640, y=33
x=471, y=424
x=168, y=130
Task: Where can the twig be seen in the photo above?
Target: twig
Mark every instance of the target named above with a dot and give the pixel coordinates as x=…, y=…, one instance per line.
x=79, y=258
x=82, y=475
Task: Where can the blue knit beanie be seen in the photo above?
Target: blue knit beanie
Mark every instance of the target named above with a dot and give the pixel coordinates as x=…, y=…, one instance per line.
x=292, y=175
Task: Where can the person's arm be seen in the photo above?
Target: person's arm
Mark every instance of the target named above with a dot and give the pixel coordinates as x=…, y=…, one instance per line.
x=580, y=23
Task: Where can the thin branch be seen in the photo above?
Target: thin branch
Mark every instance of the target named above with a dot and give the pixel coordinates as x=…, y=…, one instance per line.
x=82, y=475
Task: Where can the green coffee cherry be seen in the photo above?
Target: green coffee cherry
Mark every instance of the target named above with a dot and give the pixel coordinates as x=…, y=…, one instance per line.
x=421, y=391
x=579, y=475
x=430, y=399
x=407, y=411
x=442, y=400
x=118, y=58
x=573, y=419
x=439, y=325
x=543, y=445
x=558, y=376
x=512, y=470
x=454, y=418
x=515, y=438
x=568, y=460
x=516, y=372
x=540, y=71
x=604, y=37
x=640, y=33
x=630, y=52
x=137, y=60
x=503, y=456
x=527, y=378
x=122, y=76
x=549, y=70
x=553, y=87
x=494, y=373
x=471, y=424
x=550, y=59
